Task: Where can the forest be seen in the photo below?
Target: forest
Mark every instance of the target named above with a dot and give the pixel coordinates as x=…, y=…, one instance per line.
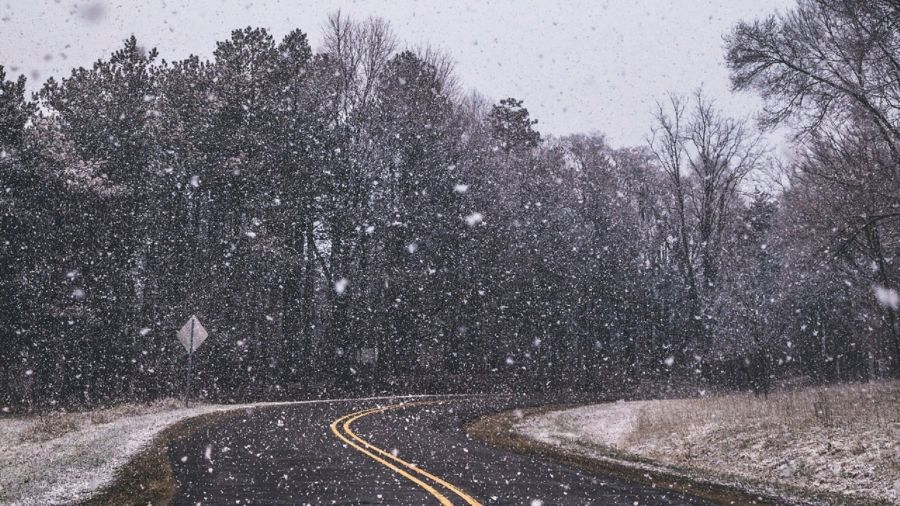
x=352, y=220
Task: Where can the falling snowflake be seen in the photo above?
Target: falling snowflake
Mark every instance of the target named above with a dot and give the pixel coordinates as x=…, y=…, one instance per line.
x=887, y=297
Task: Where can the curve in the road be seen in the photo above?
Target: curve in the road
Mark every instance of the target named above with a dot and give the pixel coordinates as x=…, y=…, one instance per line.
x=286, y=455
x=381, y=456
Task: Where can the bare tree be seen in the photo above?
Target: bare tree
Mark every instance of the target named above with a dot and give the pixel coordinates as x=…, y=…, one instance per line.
x=822, y=61
x=705, y=157
x=834, y=66
x=361, y=51
x=445, y=68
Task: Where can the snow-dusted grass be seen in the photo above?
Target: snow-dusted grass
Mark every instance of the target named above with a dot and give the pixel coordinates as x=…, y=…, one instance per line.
x=66, y=457
x=842, y=440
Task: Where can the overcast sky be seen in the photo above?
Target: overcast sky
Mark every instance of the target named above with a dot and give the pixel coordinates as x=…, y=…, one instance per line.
x=580, y=66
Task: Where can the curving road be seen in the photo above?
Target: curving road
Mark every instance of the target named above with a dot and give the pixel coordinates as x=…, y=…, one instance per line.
x=380, y=452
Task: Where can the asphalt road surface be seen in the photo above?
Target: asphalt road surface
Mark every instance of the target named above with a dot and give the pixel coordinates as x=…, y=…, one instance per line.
x=408, y=452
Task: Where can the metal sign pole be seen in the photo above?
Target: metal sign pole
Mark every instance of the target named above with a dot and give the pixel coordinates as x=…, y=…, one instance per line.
x=187, y=395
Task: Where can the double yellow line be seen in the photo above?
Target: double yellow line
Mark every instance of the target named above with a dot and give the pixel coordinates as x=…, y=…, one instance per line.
x=341, y=429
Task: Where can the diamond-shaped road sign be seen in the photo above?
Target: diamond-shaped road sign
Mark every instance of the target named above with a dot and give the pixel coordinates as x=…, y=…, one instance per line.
x=192, y=334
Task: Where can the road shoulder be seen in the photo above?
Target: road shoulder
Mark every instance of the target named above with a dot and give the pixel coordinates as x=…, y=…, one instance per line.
x=499, y=431
x=147, y=478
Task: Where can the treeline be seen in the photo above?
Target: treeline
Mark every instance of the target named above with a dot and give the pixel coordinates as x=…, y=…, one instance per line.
x=351, y=221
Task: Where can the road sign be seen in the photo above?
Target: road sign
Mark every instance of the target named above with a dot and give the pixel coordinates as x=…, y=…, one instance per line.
x=192, y=334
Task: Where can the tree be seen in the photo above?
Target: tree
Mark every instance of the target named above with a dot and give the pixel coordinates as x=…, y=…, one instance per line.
x=705, y=157
x=832, y=66
x=822, y=62
x=744, y=306
x=106, y=118
x=512, y=126
x=17, y=221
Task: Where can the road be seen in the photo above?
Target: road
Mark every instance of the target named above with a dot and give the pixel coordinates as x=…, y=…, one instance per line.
x=380, y=452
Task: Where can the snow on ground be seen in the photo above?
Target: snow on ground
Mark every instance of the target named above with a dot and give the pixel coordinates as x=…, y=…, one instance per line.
x=64, y=457
x=843, y=440
x=41, y=465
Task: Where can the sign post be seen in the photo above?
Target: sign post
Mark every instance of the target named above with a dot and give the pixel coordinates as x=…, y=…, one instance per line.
x=191, y=336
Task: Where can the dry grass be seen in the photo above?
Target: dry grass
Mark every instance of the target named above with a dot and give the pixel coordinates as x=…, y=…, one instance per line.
x=838, y=444
x=61, y=457
x=868, y=405
x=50, y=426
x=842, y=439
x=55, y=424
x=499, y=430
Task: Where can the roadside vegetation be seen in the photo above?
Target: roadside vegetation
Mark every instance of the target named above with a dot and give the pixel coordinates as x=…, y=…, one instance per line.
x=61, y=457
x=348, y=219
x=835, y=444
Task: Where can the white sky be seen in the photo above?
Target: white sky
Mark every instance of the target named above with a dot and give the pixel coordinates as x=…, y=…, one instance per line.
x=580, y=66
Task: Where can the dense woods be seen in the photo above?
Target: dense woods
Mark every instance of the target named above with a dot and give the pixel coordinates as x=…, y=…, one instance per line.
x=352, y=221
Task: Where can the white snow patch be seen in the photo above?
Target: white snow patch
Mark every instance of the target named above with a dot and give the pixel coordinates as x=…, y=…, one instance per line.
x=69, y=467
x=766, y=446
x=887, y=297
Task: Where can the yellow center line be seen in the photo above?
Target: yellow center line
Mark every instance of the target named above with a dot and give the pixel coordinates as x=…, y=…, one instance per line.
x=344, y=423
x=334, y=428
x=469, y=499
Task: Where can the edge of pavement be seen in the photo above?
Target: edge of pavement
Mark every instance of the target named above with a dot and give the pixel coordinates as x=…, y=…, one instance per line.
x=497, y=430
x=147, y=477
